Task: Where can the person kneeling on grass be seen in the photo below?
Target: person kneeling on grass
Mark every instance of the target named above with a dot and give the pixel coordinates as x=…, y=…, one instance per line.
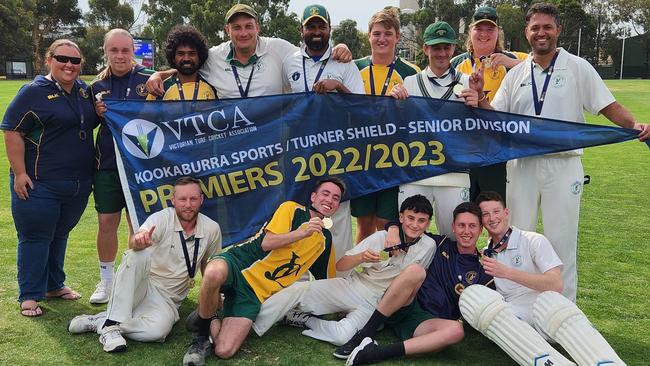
x=156, y=272
x=527, y=308
x=421, y=306
x=293, y=242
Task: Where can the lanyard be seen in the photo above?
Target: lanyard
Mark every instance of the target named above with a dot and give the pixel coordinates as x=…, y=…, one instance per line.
x=243, y=93
x=80, y=111
x=492, y=248
x=539, y=102
x=391, y=67
x=181, y=94
x=191, y=267
x=450, y=85
x=403, y=245
x=320, y=71
x=128, y=85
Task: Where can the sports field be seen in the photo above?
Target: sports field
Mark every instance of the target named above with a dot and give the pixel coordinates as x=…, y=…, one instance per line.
x=614, y=268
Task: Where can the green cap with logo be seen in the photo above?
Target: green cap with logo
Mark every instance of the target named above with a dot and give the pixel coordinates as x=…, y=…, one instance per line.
x=439, y=32
x=240, y=9
x=315, y=11
x=485, y=14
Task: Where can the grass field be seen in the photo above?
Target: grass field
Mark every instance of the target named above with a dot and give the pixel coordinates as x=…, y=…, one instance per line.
x=614, y=268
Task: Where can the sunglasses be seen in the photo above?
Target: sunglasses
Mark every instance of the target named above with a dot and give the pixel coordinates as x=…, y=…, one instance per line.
x=64, y=59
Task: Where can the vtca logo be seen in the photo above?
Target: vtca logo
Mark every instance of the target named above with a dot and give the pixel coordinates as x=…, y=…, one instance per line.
x=143, y=139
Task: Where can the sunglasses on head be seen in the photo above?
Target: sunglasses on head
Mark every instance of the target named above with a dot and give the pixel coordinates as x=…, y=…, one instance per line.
x=64, y=59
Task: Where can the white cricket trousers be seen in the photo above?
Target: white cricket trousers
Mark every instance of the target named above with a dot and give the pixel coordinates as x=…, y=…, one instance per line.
x=342, y=232
x=443, y=199
x=137, y=304
x=554, y=184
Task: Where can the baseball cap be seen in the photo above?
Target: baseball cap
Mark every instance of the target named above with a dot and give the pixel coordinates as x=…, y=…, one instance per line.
x=439, y=32
x=317, y=11
x=240, y=9
x=485, y=14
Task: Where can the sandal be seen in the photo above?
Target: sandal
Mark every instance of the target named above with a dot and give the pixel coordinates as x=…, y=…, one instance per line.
x=65, y=293
x=30, y=309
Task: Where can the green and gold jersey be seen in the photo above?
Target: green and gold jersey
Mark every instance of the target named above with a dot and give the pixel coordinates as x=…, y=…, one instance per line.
x=400, y=71
x=270, y=272
x=492, y=77
x=200, y=90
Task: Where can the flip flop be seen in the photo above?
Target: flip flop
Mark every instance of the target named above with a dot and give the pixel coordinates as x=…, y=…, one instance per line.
x=30, y=311
x=65, y=293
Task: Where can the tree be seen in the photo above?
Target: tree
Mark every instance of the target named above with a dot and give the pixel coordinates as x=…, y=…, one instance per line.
x=110, y=14
x=348, y=33
x=103, y=16
x=14, y=28
x=208, y=17
x=51, y=20
x=512, y=21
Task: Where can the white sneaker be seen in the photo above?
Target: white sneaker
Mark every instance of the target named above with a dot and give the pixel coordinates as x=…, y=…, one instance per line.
x=111, y=338
x=86, y=323
x=102, y=293
x=296, y=318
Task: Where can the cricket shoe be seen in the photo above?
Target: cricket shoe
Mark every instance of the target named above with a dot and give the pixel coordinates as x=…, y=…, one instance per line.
x=86, y=323
x=367, y=346
x=102, y=293
x=198, y=351
x=343, y=352
x=111, y=338
x=296, y=318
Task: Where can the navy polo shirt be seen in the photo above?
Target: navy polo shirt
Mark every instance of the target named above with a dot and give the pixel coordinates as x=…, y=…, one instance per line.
x=129, y=86
x=50, y=120
x=439, y=293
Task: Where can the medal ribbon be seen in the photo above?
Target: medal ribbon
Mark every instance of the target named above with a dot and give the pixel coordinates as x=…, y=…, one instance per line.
x=539, y=102
x=181, y=94
x=391, y=67
x=243, y=93
x=191, y=267
x=492, y=248
x=320, y=72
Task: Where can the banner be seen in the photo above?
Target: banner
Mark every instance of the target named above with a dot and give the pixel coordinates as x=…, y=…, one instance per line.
x=252, y=154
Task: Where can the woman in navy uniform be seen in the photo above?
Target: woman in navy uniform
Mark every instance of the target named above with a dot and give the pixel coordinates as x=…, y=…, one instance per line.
x=121, y=79
x=48, y=136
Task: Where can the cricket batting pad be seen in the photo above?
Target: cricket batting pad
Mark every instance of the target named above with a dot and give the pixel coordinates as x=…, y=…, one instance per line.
x=567, y=325
x=485, y=310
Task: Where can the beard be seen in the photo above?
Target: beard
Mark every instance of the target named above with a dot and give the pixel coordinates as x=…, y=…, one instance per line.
x=187, y=68
x=316, y=45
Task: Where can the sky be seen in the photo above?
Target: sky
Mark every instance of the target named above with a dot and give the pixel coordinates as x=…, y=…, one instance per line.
x=359, y=10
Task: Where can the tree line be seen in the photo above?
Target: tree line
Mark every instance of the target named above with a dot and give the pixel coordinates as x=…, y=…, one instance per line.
x=29, y=26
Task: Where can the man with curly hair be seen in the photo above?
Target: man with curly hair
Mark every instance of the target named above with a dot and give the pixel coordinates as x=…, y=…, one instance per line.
x=186, y=51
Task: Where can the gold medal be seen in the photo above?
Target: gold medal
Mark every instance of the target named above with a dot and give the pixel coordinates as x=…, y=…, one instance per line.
x=327, y=223
x=190, y=282
x=458, y=88
x=384, y=255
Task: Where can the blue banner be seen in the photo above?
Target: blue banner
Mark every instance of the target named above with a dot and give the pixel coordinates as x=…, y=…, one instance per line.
x=252, y=154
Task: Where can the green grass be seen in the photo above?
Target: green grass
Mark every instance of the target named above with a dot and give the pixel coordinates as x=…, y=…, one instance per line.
x=613, y=268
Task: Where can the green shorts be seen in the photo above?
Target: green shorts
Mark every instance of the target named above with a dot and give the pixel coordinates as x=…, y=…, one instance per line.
x=107, y=190
x=240, y=301
x=407, y=319
x=382, y=204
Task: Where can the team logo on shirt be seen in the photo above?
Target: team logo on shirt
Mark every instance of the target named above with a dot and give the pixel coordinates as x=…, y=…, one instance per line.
x=464, y=194
x=470, y=277
x=141, y=89
x=517, y=261
x=285, y=270
x=143, y=139
x=295, y=76
x=558, y=81
x=53, y=96
x=83, y=93
x=576, y=187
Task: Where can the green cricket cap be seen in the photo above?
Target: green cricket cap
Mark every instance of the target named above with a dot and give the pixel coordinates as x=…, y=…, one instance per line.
x=240, y=9
x=439, y=32
x=315, y=11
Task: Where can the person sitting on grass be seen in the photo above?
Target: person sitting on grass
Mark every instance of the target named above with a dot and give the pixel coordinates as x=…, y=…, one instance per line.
x=156, y=272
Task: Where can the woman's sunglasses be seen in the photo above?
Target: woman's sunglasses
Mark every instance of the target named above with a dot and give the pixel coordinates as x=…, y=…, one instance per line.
x=64, y=59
